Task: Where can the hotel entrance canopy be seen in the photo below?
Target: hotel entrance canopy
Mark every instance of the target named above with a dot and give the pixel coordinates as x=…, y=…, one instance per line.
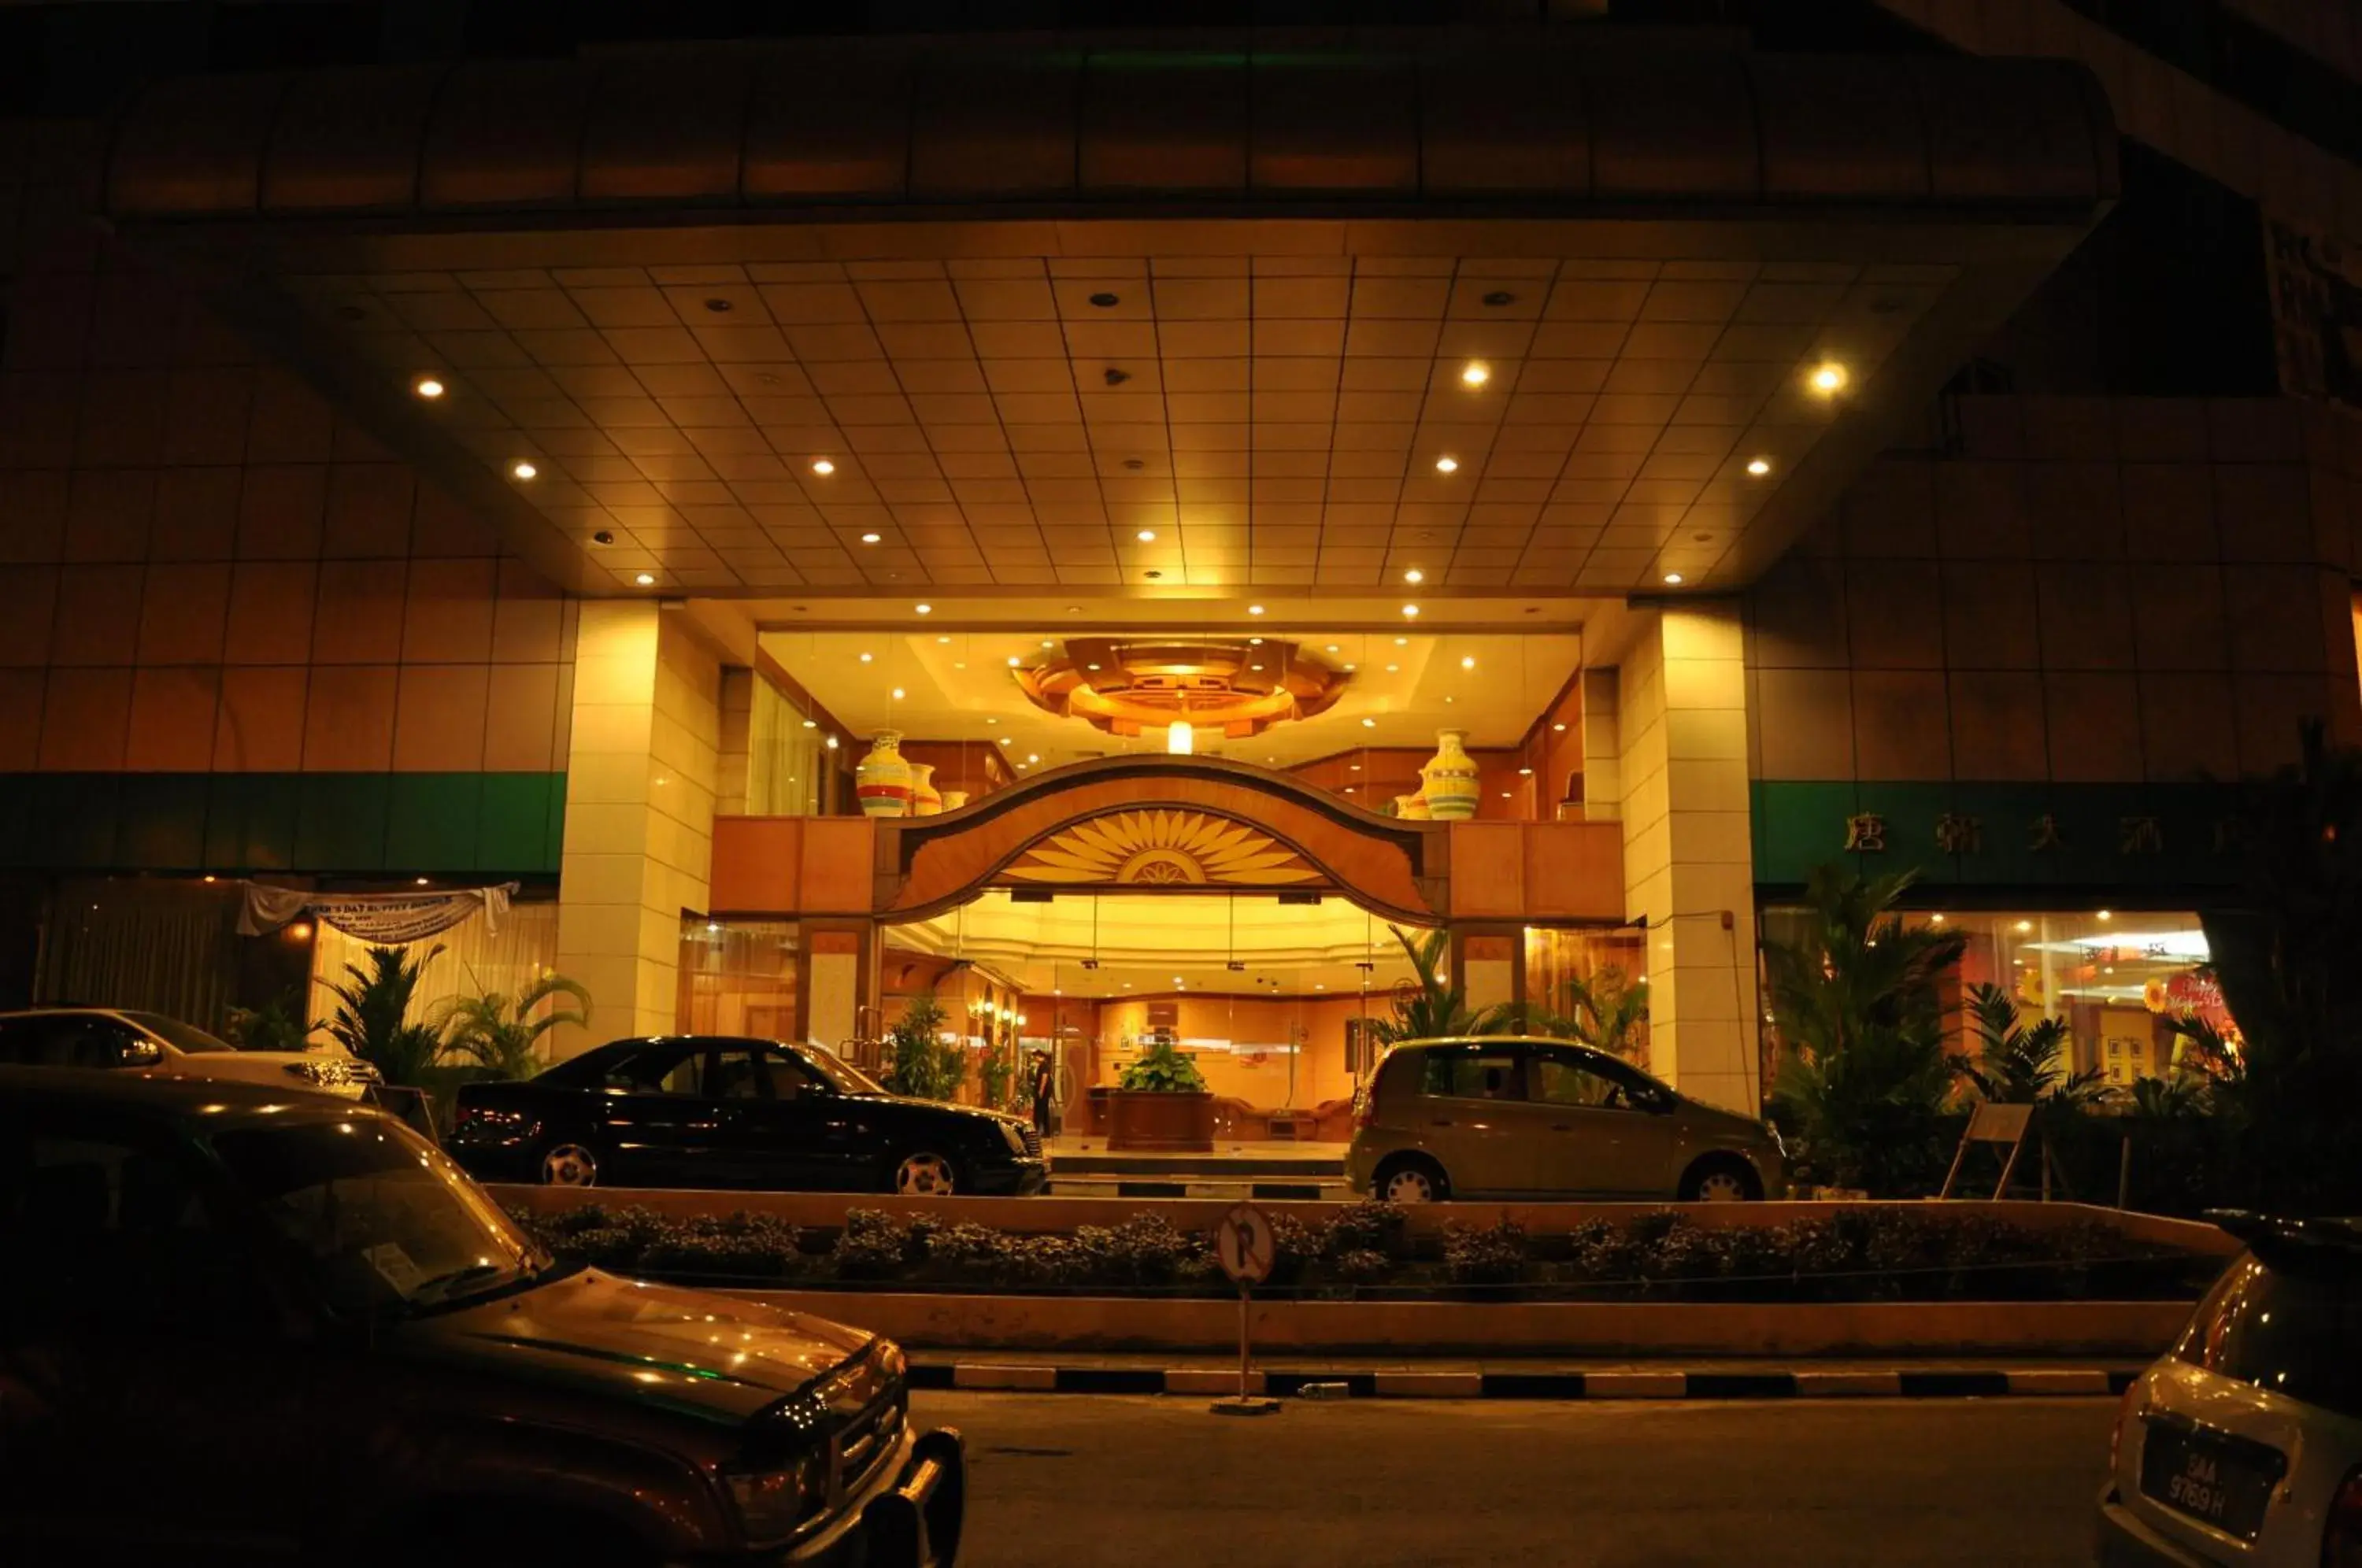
x=1567, y=311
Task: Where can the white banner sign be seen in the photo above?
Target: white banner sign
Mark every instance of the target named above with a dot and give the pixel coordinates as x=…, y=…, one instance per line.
x=385, y=918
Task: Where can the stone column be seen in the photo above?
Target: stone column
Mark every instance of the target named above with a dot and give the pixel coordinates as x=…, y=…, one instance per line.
x=1688, y=865
x=639, y=814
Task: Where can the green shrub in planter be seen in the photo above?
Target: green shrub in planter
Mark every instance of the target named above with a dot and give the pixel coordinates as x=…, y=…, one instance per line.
x=1493, y=1254
x=873, y=1245
x=1369, y=1226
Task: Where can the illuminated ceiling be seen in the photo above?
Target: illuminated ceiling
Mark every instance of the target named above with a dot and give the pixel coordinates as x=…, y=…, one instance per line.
x=1146, y=943
x=1130, y=313
x=946, y=684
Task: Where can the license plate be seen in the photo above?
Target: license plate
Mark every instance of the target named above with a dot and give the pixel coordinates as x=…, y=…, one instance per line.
x=2221, y=1480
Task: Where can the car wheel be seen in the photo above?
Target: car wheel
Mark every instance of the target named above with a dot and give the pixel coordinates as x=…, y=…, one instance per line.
x=925, y=1175
x=1411, y=1181
x=1721, y=1181
x=568, y=1165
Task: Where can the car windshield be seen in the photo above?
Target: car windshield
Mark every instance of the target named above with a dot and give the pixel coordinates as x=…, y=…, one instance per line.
x=180, y=1037
x=842, y=1074
x=385, y=1221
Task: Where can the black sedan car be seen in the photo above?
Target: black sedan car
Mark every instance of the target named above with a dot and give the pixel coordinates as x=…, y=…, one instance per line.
x=721, y=1111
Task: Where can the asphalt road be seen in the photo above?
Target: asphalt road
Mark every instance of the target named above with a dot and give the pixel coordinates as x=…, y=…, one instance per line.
x=1070, y=1479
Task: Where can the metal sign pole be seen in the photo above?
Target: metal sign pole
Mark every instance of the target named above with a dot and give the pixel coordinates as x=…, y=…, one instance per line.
x=1246, y=1248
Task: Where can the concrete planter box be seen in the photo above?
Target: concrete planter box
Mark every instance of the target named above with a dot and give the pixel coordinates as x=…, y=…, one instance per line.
x=2138, y=1329
x=1170, y=1123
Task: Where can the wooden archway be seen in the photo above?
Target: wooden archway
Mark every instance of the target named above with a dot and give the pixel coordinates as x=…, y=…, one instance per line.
x=1163, y=824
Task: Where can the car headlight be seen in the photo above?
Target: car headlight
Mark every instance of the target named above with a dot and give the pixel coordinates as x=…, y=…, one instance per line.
x=772, y=1503
x=1013, y=1135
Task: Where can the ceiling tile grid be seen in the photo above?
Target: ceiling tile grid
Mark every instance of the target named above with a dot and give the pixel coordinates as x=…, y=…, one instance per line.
x=1177, y=422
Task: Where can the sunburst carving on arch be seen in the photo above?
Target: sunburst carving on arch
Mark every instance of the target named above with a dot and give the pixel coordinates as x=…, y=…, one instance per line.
x=1161, y=848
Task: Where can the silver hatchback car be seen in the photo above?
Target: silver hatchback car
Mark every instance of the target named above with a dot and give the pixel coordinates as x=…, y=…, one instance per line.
x=2244, y=1443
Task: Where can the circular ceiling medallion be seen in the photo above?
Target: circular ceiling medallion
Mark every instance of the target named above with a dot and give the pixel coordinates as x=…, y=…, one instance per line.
x=1131, y=687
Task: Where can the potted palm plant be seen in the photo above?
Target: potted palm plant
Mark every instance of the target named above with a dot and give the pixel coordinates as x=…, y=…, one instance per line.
x=1161, y=1102
x=498, y=1033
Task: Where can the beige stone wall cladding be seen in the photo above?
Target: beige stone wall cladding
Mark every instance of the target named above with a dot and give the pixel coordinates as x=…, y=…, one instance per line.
x=204, y=568
x=639, y=816
x=1688, y=872
x=2170, y=109
x=2103, y=590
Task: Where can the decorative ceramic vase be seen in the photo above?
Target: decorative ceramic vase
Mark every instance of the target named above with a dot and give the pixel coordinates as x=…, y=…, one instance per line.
x=882, y=782
x=1410, y=808
x=1450, y=779
x=926, y=801
x=954, y=799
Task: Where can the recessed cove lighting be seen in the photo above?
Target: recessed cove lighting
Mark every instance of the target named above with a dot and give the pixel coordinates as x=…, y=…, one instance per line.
x=1476, y=375
x=1827, y=377
x=1414, y=575
x=1758, y=466
x=522, y=470
x=644, y=579
x=428, y=387
x=822, y=466
x=1673, y=578
x=1447, y=465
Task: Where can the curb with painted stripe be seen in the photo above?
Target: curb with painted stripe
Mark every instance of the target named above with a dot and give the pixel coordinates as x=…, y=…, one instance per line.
x=1635, y=1384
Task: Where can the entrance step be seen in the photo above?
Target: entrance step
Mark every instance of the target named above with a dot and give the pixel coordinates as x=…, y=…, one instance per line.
x=1221, y=1167
x=1273, y=1189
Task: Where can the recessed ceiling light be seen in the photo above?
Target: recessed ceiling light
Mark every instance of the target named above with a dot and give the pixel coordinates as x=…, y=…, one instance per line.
x=1758, y=466
x=812, y=723
x=1255, y=609
x=832, y=743
x=1447, y=465
x=1254, y=642
x=898, y=694
x=1467, y=661
x=1090, y=666
x=1032, y=757
x=1559, y=729
x=869, y=538
x=1673, y=578
x=926, y=609
x=1524, y=773
x=2026, y=926
x=1394, y=670
x=1505, y=794
x=1350, y=669
x=1254, y=666
x=1827, y=377
x=1447, y=699
x=992, y=721
x=1402, y=642
x=2107, y=914
x=522, y=470
x=865, y=658
x=959, y=664
x=1353, y=767
x=1048, y=644
x=1146, y=535
x=1332, y=648
x=822, y=466
x=644, y=579
x=1013, y=661
x=1369, y=724
x=940, y=641
x=428, y=387
x=1414, y=575
x=1411, y=610
x=1004, y=740
x=1476, y=373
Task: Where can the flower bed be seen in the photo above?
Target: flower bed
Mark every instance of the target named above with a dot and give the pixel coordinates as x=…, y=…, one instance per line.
x=1365, y=1252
